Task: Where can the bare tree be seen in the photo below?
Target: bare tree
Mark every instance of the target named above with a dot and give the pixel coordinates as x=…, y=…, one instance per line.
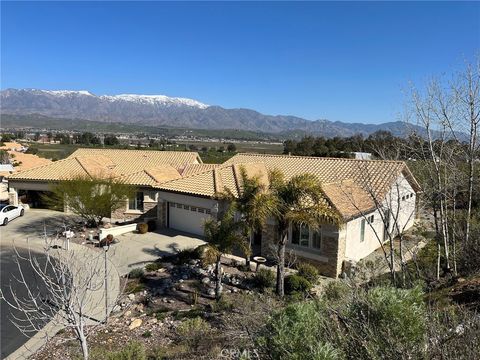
x=449, y=111
x=465, y=89
x=68, y=291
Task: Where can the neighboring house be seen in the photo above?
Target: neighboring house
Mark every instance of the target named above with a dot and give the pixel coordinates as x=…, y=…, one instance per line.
x=143, y=169
x=362, y=155
x=362, y=191
x=180, y=192
x=6, y=170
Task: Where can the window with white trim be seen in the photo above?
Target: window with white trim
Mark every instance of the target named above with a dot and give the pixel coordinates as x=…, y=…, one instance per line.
x=300, y=235
x=136, y=203
x=303, y=236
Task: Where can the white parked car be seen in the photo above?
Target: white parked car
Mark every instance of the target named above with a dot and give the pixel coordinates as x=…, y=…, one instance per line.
x=10, y=212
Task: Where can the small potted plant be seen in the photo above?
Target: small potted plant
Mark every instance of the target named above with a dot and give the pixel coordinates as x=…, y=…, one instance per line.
x=142, y=228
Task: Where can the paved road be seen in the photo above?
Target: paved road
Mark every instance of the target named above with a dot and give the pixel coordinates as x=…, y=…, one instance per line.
x=134, y=250
x=87, y=267
x=10, y=337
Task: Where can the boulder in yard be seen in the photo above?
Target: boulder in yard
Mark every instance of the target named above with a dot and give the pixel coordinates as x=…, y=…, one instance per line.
x=135, y=324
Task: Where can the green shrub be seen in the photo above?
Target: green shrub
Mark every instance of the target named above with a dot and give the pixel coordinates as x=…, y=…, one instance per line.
x=132, y=351
x=264, y=278
x=193, y=330
x=185, y=255
x=147, y=334
x=296, y=333
x=296, y=284
x=136, y=273
x=153, y=267
x=309, y=272
x=142, y=228
x=336, y=291
x=134, y=287
x=206, y=255
x=383, y=323
x=222, y=305
x=189, y=314
x=398, y=314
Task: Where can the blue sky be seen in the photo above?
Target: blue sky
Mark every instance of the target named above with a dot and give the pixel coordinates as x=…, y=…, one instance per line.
x=340, y=61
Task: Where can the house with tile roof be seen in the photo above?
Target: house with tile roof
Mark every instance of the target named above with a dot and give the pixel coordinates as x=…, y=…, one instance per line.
x=142, y=169
x=375, y=198
x=361, y=191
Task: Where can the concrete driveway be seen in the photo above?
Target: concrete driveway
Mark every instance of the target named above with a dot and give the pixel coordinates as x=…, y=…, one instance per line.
x=134, y=250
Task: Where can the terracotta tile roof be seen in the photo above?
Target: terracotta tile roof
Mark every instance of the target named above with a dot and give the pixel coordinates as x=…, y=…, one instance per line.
x=213, y=181
x=378, y=174
x=135, y=166
x=348, y=183
x=348, y=198
x=130, y=161
x=57, y=170
x=191, y=169
x=152, y=176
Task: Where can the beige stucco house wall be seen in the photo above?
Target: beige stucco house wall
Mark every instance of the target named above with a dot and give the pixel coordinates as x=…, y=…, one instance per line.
x=401, y=203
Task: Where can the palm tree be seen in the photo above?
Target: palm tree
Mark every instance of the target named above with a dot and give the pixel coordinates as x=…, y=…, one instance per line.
x=299, y=200
x=222, y=236
x=254, y=203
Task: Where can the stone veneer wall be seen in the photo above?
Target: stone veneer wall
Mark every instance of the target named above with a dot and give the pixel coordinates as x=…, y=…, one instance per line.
x=333, y=250
x=269, y=237
x=149, y=212
x=162, y=214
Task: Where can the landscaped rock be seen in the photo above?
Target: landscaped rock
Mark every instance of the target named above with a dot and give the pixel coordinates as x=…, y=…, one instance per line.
x=131, y=297
x=135, y=324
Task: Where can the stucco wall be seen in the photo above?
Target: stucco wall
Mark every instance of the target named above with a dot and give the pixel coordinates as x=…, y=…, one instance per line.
x=355, y=249
x=404, y=215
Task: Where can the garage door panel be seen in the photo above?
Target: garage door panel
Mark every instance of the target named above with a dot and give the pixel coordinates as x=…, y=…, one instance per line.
x=187, y=218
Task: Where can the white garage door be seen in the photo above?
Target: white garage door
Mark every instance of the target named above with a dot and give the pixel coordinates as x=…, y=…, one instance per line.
x=187, y=218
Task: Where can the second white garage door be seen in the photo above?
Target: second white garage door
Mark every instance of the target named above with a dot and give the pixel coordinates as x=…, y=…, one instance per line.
x=187, y=218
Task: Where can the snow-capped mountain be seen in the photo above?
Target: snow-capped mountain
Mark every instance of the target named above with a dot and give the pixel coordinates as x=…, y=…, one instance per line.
x=161, y=110
x=160, y=100
x=155, y=100
x=63, y=92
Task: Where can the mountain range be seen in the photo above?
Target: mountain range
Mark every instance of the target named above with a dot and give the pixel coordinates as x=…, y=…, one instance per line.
x=164, y=111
